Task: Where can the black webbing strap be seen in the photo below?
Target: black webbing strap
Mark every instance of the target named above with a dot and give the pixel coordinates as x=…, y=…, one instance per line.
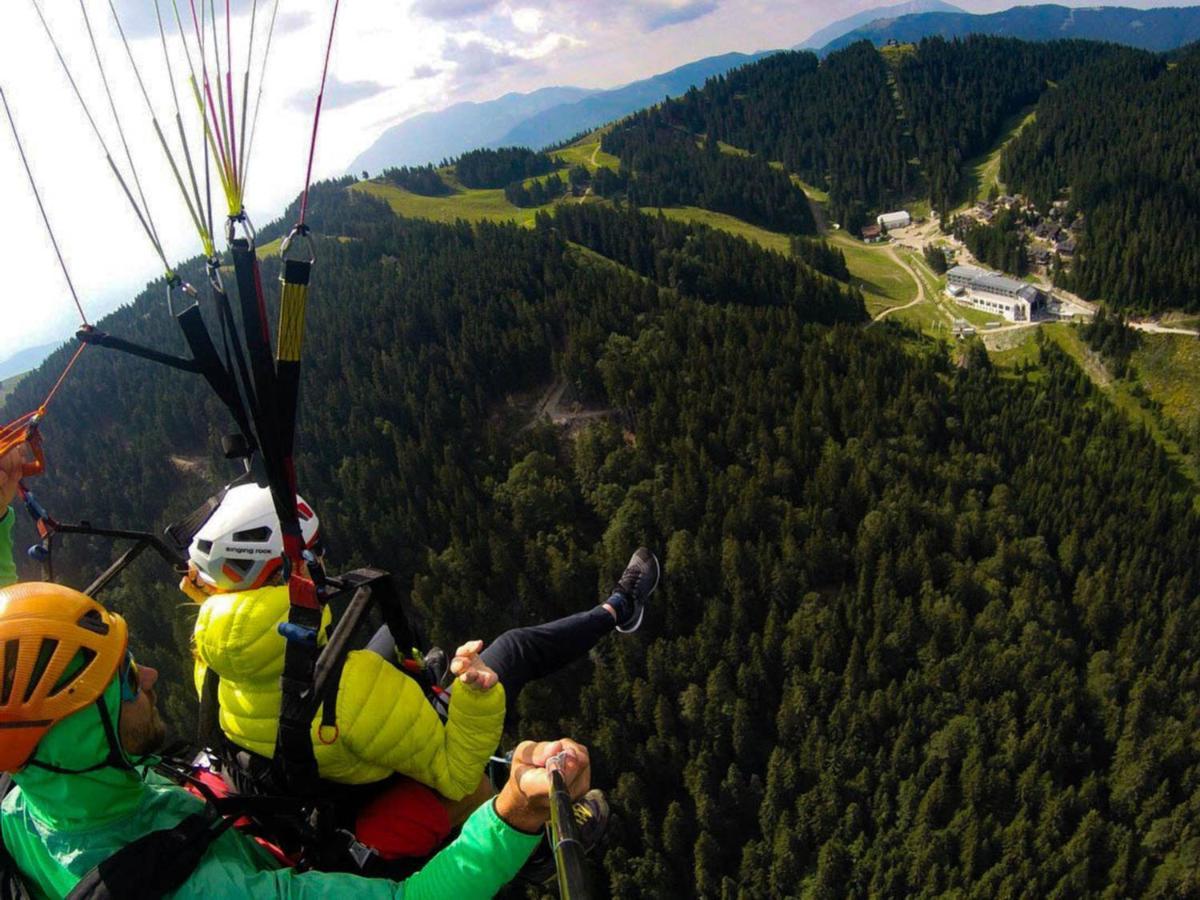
x=232, y=344
x=100, y=339
x=329, y=695
x=262, y=368
x=295, y=761
x=208, y=727
x=389, y=596
x=155, y=864
x=209, y=364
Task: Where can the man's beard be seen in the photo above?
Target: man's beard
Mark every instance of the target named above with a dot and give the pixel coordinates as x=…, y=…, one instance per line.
x=149, y=737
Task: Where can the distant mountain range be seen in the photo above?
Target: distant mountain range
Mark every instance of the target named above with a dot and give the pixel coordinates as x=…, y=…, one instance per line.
x=1148, y=29
x=25, y=360
x=553, y=114
x=819, y=39
x=535, y=120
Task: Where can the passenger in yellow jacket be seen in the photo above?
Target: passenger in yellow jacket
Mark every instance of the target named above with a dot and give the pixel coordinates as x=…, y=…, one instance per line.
x=385, y=723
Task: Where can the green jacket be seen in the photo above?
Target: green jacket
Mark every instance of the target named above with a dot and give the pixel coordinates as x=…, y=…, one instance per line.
x=8, y=567
x=58, y=827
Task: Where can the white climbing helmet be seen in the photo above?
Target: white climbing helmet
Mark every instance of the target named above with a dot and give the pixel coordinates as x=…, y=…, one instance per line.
x=240, y=547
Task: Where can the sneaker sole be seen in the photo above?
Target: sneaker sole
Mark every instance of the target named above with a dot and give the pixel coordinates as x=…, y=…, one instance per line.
x=630, y=629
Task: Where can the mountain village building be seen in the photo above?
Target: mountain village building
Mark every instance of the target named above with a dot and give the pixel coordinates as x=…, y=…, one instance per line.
x=892, y=220
x=997, y=294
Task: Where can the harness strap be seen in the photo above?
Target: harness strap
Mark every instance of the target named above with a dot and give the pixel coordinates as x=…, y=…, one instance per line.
x=209, y=364
x=155, y=864
x=100, y=339
x=295, y=762
x=208, y=731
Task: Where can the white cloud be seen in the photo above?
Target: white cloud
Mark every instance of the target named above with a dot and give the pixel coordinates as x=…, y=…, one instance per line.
x=527, y=20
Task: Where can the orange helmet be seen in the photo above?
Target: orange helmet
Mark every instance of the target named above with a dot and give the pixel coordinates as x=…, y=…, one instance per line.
x=44, y=628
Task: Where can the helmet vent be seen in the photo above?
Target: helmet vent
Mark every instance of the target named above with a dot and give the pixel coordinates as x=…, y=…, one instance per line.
x=91, y=621
x=241, y=566
x=253, y=536
x=45, y=654
x=83, y=660
x=11, y=650
x=204, y=546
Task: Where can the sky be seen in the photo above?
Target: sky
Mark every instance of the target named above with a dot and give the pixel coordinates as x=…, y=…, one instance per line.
x=390, y=60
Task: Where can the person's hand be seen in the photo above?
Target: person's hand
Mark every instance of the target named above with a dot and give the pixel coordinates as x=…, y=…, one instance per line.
x=469, y=668
x=11, y=466
x=524, y=801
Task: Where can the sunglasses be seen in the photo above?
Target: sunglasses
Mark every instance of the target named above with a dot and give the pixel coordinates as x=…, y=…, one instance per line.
x=131, y=679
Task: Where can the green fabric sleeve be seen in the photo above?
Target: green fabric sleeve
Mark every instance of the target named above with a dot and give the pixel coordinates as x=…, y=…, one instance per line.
x=8, y=565
x=485, y=857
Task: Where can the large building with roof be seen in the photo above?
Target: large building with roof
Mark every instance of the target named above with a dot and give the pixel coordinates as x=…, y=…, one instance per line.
x=899, y=219
x=993, y=293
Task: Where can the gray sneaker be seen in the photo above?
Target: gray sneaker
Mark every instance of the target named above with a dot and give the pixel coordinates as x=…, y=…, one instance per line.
x=635, y=585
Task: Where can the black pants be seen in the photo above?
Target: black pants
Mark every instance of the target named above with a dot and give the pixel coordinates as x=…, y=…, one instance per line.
x=523, y=655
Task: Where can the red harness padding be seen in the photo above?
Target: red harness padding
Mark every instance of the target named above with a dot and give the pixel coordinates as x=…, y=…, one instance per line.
x=405, y=820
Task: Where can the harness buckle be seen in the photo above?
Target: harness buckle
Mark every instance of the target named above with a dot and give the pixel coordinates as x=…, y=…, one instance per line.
x=298, y=633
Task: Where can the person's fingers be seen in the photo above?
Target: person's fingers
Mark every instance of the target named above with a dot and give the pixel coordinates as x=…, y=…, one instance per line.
x=543, y=751
x=469, y=649
x=534, y=782
x=577, y=768
x=523, y=755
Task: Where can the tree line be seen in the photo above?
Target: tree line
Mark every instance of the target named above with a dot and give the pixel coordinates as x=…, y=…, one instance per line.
x=1118, y=138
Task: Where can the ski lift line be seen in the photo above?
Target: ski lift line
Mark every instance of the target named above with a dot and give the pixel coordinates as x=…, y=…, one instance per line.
x=112, y=103
x=312, y=148
x=205, y=239
x=100, y=137
x=41, y=207
x=249, y=148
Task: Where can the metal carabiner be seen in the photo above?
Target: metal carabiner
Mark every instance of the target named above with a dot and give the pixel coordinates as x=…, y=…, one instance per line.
x=300, y=231
x=213, y=267
x=175, y=282
x=247, y=227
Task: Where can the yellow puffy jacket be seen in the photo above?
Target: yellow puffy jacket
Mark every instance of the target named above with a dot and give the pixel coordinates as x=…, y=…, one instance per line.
x=385, y=723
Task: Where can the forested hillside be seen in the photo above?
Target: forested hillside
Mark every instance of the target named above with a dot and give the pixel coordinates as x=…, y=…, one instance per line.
x=956, y=94
x=925, y=628
x=833, y=123
x=870, y=132
x=1119, y=140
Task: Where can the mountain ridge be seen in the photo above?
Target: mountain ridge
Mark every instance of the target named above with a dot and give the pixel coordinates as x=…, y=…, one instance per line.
x=555, y=114
x=24, y=360
x=835, y=30
x=1161, y=29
